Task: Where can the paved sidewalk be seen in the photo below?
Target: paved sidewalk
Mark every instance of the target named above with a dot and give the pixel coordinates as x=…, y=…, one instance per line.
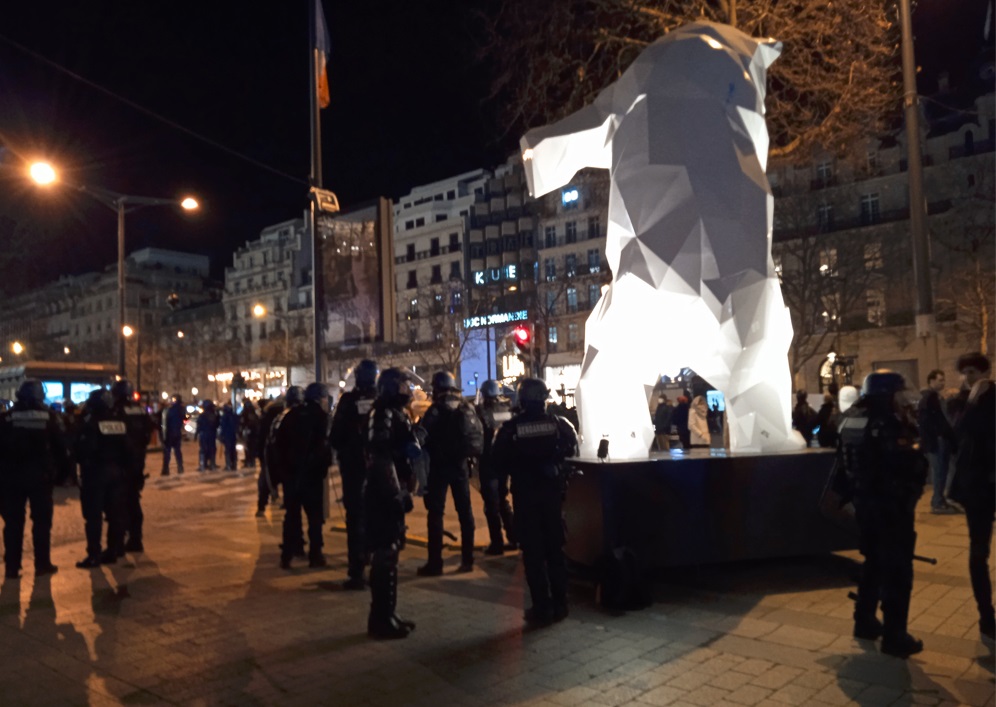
x=206, y=617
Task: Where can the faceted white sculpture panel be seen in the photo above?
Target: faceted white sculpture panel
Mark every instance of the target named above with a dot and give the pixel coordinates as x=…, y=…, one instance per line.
x=689, y=238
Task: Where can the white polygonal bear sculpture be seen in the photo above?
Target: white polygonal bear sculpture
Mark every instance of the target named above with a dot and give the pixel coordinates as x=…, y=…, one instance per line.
x=682, y=132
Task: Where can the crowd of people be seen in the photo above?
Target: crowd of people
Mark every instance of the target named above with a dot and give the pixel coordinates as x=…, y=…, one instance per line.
x=887, y=445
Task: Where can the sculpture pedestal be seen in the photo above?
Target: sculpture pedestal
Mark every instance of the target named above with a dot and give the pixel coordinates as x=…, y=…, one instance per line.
x=703, y=506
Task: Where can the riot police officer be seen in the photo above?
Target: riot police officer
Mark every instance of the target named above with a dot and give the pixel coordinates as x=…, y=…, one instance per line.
x=105, y=460
x=138, y=431
x=533, y=446
x=454, y=437
x=349, y=427
x=390, y=446
x=493, y=411
x=33, y=457
x=266, y=486
x=301, y=438
x=880, y=457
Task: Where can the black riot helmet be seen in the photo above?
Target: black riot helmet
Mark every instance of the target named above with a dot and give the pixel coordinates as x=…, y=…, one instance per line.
x=294, y=395
x=99, y=400
x=489, y=389
x=316, y=392
x=121, y=391
x=443, y=382
x=882, y=383
x=365, y=374
x=31, y=392
x=532, y=391
x=394, y=387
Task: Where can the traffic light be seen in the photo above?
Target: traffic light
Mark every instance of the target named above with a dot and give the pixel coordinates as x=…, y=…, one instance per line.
x=523, y=338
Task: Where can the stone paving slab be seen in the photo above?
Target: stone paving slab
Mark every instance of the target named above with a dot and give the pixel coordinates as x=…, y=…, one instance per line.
x=206, y=617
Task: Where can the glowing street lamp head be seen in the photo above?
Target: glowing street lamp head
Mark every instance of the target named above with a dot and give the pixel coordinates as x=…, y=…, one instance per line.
x=17, y=347
x=127, y=330
x=189, y=203
x=42, y=173
x=179, y=335
x=259, y=311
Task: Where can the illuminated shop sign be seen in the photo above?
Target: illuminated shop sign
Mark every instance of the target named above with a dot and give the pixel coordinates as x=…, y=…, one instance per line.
x=509, y=272
x=492, y=319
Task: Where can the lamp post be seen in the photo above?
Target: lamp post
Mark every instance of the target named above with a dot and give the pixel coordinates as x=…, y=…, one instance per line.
x=127, y=332
x=44, y=174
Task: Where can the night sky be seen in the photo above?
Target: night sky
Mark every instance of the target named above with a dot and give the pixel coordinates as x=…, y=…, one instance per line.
x=408, y=107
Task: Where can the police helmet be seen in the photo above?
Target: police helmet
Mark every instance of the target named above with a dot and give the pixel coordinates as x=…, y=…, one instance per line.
x=489, y=389
x=443, y=381
x=294, y=395
x=847, y=396
x=31, y=392
x=316, y=392
x=121, y=390
x=532, y=390
x=365, y=373
x=99, y=399
x=882, y=383
x=394, y=386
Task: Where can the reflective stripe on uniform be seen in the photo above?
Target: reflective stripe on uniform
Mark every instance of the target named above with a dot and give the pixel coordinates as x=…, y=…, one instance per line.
x=29, y=419
x=111, y=427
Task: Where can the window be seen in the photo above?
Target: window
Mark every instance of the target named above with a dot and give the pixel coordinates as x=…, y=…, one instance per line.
x=410, y=252
x=572, y=299
x=550, y=267
x=456, y=299
x=412, y=280
x=872, y=161
x=549, y=236
x=451, y=195
x=420, y=221
x=873, y=256
x=828, y=262
x=413, y=336
x=824, y=172
x=594, y=293
x=570, y=197
x=527, y=239
x=571, y=264
x=594, y=260
x=438, y=303
x=494, y=246
x=235, y=333
x=434, y=247
x=511, y=243
x=876, y=306
x=437, y=274
x=440, y=217
x=869, y=208
x=455, y=269
x=573, y=333
x=262, y=330
x=824, y=217
x=409, y=225
x=594, y=227
x=248, y=333
x=551, y=303
x=551, y=335
x=572, y=232
x=476, y=250
x=454, y=242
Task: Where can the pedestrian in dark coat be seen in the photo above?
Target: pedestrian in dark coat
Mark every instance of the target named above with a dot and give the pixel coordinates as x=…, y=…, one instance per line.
x=228, y=433
x=974, y=482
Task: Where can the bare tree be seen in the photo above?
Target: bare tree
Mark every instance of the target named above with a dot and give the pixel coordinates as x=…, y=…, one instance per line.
x=965, y=240
x=443, y=309
x=837, y=79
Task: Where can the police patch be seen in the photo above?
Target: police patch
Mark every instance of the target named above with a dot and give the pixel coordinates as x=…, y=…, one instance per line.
x=545, y=428
x=111, y=427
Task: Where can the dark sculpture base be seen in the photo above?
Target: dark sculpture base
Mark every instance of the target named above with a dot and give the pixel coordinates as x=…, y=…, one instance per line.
x=703, y=506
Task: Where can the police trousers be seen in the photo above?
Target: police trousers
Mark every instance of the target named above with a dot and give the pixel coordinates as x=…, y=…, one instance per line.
x=13, y=497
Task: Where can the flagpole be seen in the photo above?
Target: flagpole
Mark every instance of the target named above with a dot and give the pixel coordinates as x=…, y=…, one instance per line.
x=317, y=280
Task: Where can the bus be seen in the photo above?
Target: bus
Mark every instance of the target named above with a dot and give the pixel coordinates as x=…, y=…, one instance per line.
x=61, y=380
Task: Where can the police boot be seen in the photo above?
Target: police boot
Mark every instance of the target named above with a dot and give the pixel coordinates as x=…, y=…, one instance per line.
x=866, y=625
x=393, y=600
x=434, y=567
x=895, y=639
x=508, y=521
x=381, y=623
x=494, y=532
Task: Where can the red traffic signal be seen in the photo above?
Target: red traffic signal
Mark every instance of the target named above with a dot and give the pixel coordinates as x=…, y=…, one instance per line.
x=523, y=337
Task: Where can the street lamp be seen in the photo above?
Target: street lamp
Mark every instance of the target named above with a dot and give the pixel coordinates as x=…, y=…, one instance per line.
x=45, y=175
x=127, y=332
x=17, y=347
